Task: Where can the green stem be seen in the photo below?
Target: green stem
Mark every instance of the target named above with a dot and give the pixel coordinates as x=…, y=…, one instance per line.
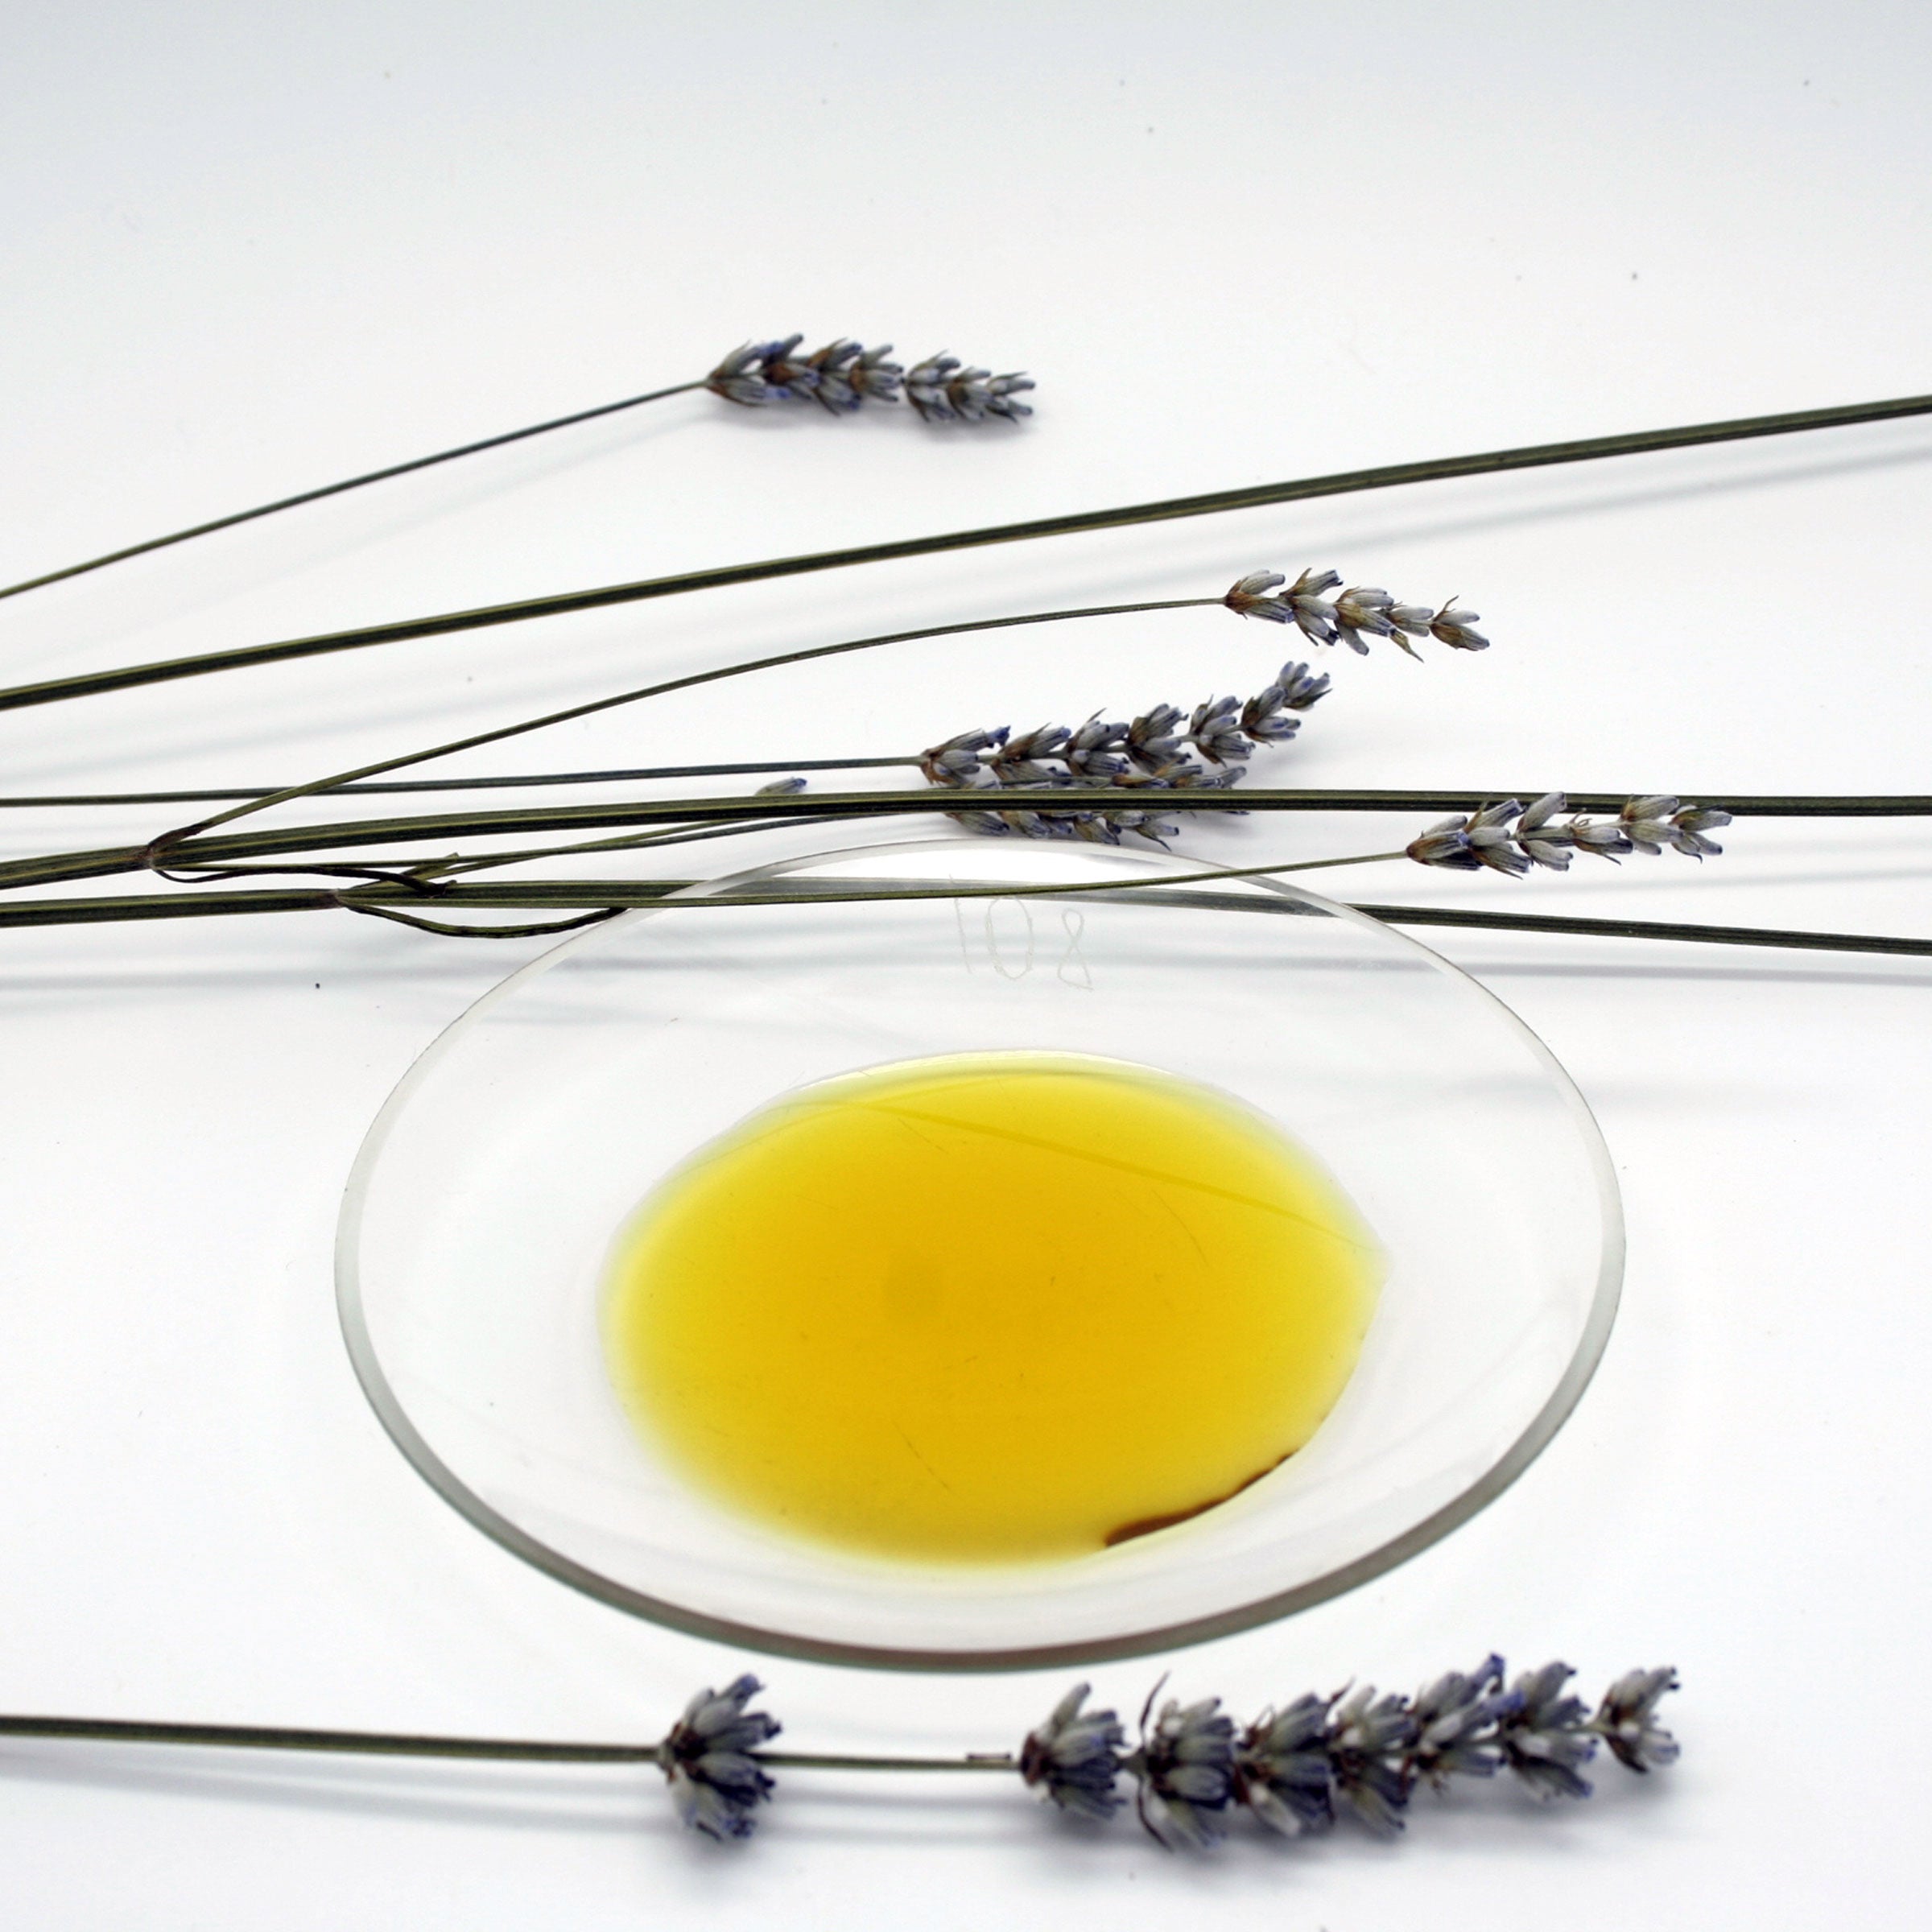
x=276, y=1737
x=221, y=795
x=622, y=894
x=335, y=490
x=400, y=1743
x=1167, y=509
x=828, y=1760
x=418, y=875
x=453, y=868
x=1796, y=939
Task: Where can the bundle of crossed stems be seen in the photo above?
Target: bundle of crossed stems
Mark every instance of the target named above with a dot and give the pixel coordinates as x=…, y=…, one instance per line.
x=1051, y=781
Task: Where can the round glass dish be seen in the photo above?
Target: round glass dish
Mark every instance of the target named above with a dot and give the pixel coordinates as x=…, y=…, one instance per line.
x=478, y=1217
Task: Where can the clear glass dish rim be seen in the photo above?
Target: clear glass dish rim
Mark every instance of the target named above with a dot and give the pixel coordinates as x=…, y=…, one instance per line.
x=1536, y=1436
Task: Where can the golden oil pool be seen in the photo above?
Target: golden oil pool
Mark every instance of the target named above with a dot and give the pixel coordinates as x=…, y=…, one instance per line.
x=995, y=1307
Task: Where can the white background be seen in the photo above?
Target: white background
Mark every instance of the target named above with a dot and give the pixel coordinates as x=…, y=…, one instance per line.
x=250, y=249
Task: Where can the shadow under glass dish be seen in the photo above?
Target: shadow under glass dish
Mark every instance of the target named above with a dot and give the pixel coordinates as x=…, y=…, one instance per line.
x=478, y=1219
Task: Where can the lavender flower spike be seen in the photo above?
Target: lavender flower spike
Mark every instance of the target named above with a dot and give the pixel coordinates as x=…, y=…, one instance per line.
x=715, y=1781
x=1546, y=1736
x=1075, y=1756
x=1626, y=1719
x=1281, y=1772
x=1354, y=613
x=1488, y=838
x=1185, y=1765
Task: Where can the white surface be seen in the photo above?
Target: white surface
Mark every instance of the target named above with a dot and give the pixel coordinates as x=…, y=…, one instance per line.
x=252, y=250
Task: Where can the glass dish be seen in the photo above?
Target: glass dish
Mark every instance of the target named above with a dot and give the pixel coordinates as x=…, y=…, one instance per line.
x=477, y=1219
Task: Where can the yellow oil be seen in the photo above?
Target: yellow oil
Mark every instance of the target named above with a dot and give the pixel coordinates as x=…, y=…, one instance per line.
x=994, y=1308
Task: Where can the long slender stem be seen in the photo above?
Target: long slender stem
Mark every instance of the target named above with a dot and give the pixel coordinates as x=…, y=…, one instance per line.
x=1167, y=509
x=1796, y=939
x=401, y=1743
x=510, y=821
x=418, y=877
x=619, y=893
x=623, y=894
x=335, y=490
x=740, y=669
x=830, y=1760
x=458, y=867
x=224, y=793
x=383, y=1743
x=1833, y=805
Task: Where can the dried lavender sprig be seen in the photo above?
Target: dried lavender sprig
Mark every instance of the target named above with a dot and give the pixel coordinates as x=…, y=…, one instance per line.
x=1190, y=1768
x=841, y=376
x=1510, y=837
